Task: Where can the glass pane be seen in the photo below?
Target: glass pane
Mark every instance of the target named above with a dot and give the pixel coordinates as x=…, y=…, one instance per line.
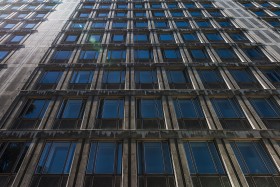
x=224, y=108
x=265, y=108
x=51, y=77
x=151, y=109
x=105, y=158
x=110, y=109
x=91, y=159
x=72, y=109
x=154, y=163
x=176, y=77
x=36, y=109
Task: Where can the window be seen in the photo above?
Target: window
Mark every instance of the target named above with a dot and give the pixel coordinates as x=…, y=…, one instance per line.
x=86, y=6
x=94, y=38
x=171, y=54
x=119, y=25
x=150, y=114
x=104, y=6
x=199, y=55
x=83, y=15
x=120, y=14
x=190, y=5
x=143, y=55
x=190, y=37
x=102, y=14
x=29, y=26
x=172, y=5
x=154, y=164
x=158, y=14
x=273, y=22
x=255, y=54
x=49, y=80
x=9, y=25
x=77, y=25
x=214, y=37
x=12, y=155
x=245, y=79
x=113, y=79
x=70, y=114
x=182, y=24
x=230, y=114
x=81, y=79
x=227, y=54
x=138, y=5
x=255, y=163
x=215, y=13
x=88, y=56
x=273, y=76
x=166, y=37
x=32, y=113
x=248, y=4
x=56, y=159
x=141, y=24
x=3, y=54
x=155, y=5
x=122, y=6
x=260, y=13
x=189, y=114
x=98, y=25
x=178, y=79
x=118, y=38
x=212, y=79
x=196, y=13
x=140, y=14
x=71, y=38
x=238, y=37
x=104, y=166
x=21, y=16
x=268, y=111
x=139, y=38
x=62, y=55
x=116, y=55
x=204, y=24
x=40, y=15
x=161, y=24
x=205, y=164
x=2, y=16
x=110, y=114
x=146, y=79
x=177, y=14
x=207, y=5
x=225, y=24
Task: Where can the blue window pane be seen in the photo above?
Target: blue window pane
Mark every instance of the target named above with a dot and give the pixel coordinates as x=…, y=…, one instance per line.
x=161, y=24
x=151, y=109
x=260, y=13
x=99, y=25
x=81, y=77
x=203, y=24
x=171, y=53
x=71, y=38
x=182, y=24
x=272, y=75
x=51, y=77
x=84, y=15
x=188, y=108
x=159, y=14
x=250, y=156
x=254, y=53
x=209, y=76
x=196, y=14
x=91, y=159
x=238, y=36
x=227, y=108
x=190, y=5
x=190, y=37
x=17, y=38
x=116, y=54
x=140, y=14
x=166, y=37
x=112, y=109
x=226, y=54
x=216, y=13
x=29, y=25
x=114, y=77
x=119, y=25
x=141, y=38
x=105, y=158
x=120, y=14
x=266, y=108
x=242, y=76
x=143, y=54
x=3, y=54
x=177, y=14
x=225, y=24
x=155, y=6
x=214, y=37
x=145, y=77
x=72, y=109
x=207, y=5
x=89, y=55
x=62, y=55
x=198, y=54
x=118, y=38
x=176, y=77
x=154, y=161
x=141, y=24
x=77, y=25
x=9, y=25
x=56, y=158
x=36, y=109
x=95, y=38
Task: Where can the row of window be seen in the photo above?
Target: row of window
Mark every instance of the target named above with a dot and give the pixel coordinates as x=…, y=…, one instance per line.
x=29, y=1
x=148, y=79
x=157, y=24
x=260, y=4
x=154, y=163
x=24, y=15
x=16, y=38
x=150, y=114
x=163, y=37
x=28, y=7
x=165, y=54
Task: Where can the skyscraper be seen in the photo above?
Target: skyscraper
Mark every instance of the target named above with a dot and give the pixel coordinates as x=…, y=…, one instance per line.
x=139, y=93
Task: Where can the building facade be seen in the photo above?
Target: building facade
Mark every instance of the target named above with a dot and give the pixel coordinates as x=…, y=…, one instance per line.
x=147, y=93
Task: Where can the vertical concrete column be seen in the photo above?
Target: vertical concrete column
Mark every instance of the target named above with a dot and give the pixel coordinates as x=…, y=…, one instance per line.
x=47, y=113
x=210, y=121
x=94, y=79
x=229, y=78
x=74, y=165
x=227, y=164
x=133, y=163
x=176, y=164
x=86, y=115
x=185, y=165
x=266, y=84
x=93, y=113
x=213, y=113
x=167, y=117
x=196, y=79
x=53, y=113
x=173, y=113
x=126, y=113
x=61, y=81
x=67, y=80
x=133, y=113
x=226, y=76
x=27, y=174
x=125, y=163
x=25, y=163
x=83, y=164
x=160, y=81
x=234, y=161
x=164, y=78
